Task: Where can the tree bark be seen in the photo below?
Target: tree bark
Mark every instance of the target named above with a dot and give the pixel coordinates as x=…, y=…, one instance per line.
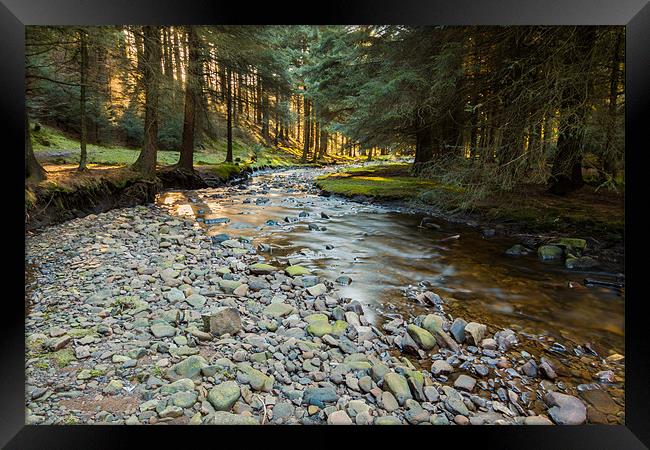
x=34, y=172
x=306, y=129
x=229, y=114
x=186, y=160
x=83, y=48
x=146, y=162
x=566, y=173
x=609, y=158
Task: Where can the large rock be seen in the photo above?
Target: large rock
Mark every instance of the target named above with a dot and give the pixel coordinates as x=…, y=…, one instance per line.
x=433, y=323
x=294, y=271
x=261, y=269
x=190, y=367
x=278, y=310
x=421, y=336
x=570, y=244
x=565, y=409
x=474, y=333
x=457, y=330
x=582, y=262
x=398, y=386
x=162, y=330
x=317, y=290
x=465, y=382
x=549, y=252
x=319, y=396
x=339, y=418
x=222, y=321
x=196, y=300
x=454, y=401
x=182, y=385
x=257, y=380
x=224, y=395
x=229, y=286
x=226, y=418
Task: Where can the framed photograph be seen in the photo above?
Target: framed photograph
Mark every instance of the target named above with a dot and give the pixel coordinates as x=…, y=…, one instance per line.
x=258, y=219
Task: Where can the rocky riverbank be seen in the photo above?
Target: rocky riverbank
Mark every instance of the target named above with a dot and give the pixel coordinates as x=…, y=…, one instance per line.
x=137, y=316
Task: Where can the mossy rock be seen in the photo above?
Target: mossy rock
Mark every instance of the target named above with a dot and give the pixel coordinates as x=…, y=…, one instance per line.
x=423, y=338
x=549, y=252
x=570, y=244
x=262, y=269
x=294, y=271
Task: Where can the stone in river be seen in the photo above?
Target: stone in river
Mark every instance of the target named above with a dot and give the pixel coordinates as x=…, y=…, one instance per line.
x=224, y=395
x=339, y=418
x=583, y=262
x=219, y=238
x=465, y=382
x=517, y=250
x=398, y=386
x=475, y=332
x=294, y=271
x=549, y=252
x=222, y=321
x=344, y=280
x=565, y=409
x=571, y=244
x=421, y=336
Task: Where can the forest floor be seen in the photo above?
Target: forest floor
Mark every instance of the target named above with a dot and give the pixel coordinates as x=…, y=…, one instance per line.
x=529, y=209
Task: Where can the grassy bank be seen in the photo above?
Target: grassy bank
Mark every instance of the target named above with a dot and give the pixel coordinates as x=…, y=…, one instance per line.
x=51, y=146
x=530, y=206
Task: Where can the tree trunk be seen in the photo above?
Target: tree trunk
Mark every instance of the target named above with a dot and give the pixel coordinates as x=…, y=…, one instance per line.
x=324, y=138
x=609, y=157
x=566, y=173
x=265, y=116
x=423, y=147
x=258, y=117
x=192, y=93
x=229, y=114
x=34, y=172
x=177, y=56
x=306, y=129
x=146, y=162
x=83, y=156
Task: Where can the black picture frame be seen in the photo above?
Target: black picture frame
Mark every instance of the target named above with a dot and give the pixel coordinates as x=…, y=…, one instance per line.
x=634, y=14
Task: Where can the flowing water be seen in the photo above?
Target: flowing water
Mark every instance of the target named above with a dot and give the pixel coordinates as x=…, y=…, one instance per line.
x=384, y=251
